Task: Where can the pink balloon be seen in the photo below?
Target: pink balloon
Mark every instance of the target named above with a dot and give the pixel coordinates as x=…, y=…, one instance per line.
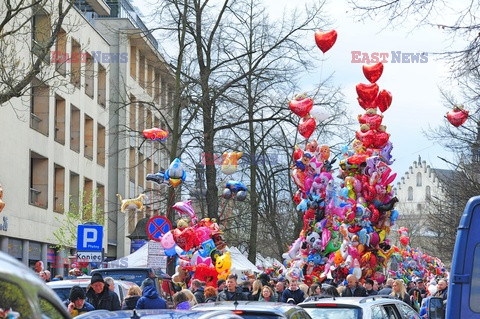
x=185, y=208
x=167, y=240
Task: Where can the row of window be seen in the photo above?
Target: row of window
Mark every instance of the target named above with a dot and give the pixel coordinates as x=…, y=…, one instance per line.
x=39, y=121
x=39, y=172
x=428, y=195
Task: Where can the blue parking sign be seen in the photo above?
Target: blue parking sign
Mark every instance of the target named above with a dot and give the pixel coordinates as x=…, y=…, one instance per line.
x=89, y=238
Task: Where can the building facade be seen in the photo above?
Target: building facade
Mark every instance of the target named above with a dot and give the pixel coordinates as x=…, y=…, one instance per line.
x=75, y=140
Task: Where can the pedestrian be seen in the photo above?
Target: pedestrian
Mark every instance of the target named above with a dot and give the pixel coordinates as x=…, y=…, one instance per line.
x=353, y=289
x=110, y=282
x=442, y=290
x=369, y=286
x=399, y=291
x=198, y=291
x=387, y=289
x=210, y=294
x=279, y=287
x=130, y=301
x=191, y=297
x=76, y=304
x=293, y=294
x=314, y=290
x=150, y=298
x=180, y=301
x=257, y=289
x=267, y=294
x=232, y=292
x=100, y=296
x=221, y=285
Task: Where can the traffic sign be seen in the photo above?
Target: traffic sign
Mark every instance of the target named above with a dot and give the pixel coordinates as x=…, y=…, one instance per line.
x=157, y=226
x=89, y=256
x=89, y=238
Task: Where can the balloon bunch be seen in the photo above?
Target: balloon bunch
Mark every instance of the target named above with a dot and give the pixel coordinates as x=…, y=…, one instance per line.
x=345, y=227
x=235, y=189
x=199, y=246
x=409, y=264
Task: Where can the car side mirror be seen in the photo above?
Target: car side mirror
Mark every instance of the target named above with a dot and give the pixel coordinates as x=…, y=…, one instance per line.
x=436, y=309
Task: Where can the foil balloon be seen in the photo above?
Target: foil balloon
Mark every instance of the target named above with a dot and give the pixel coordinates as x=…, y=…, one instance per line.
x=367, y=92
x=457, y=116
x=158, y=178
x=230, y=162
x=325, y=40
x=307, y=126
x=235, y=188
x=185, y=208
x=383, y=100
x=317, y=113
x=131, y=203
x=155, y=134
x=175, y=173
x=223, y=264
x=301, y=105
x=373, y=72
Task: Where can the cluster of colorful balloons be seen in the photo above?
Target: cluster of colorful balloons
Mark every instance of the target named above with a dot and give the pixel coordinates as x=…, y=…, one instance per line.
x=345, y=227
x=199, y=245
x=308, y=112
x=409, y=263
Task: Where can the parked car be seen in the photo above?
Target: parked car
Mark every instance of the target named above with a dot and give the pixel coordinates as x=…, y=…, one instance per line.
x=158, y=314
x=22, y=291
x=358, y=307
x=256, y=309
x=62, y=287
x=163, y=282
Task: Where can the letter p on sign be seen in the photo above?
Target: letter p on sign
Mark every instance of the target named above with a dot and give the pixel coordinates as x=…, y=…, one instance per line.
x=89, y=238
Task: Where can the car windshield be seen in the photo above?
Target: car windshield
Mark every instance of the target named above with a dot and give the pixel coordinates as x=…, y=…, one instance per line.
x=130, y=275
x=333, y=313
x=63, y=293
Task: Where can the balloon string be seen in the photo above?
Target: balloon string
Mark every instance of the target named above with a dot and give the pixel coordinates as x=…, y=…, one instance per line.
x=228, y=213
x=221, y=211
x=320, y=79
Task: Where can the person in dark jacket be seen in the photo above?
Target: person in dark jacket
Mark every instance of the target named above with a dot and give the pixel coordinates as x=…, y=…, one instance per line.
x=293, y=294
x=232, y=292
x=100, y=296
x=369, y=287
x=76, y=303
x=399, y=291
x=150, y=299
x=353, y=289
x=130, y=300
x=198, y=290
x=388, y=287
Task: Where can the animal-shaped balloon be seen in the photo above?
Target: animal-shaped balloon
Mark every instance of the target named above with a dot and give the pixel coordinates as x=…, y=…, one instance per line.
x=131, y=204
x=175, y=173
x=235, y=188
x=155, y=134
x=223, y=264
x=185, y=208
x=230, y=162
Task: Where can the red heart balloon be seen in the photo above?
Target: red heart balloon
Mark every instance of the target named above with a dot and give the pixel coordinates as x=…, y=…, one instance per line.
x=306, y=127
x=373, y=72
x=457, y=117
x=325, y=40
x=374, y=120
x=367, y=138
x=297, y=154
x=381, y=139
x=366, y=105
x=301, y=107
x=184, y=238
x=367, y=92
x=383, y=100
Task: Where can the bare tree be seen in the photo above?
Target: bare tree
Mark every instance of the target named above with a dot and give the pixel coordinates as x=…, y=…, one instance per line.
x=17, y=18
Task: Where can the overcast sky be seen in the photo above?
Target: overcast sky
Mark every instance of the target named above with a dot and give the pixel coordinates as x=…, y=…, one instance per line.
x=414, y=86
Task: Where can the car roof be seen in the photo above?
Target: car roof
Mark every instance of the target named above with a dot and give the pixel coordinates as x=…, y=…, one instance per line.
x=257, y=306
x=157, y=272
x=158, y=314
x=355, y=301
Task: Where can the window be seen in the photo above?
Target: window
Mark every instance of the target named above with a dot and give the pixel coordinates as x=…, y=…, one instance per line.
x=74, y=192
x=419, y=207
x=60, y=54
x=12, y=297
x=141, y=70
x=74, y=129
x=39, y=112
x=87, y=199
x=100, y=197
x=41, y=27
x=88, y=150
x=132, y=120
x=428, y=194
x=141, y=170
x=75, y=77
x=101, y=145
x=408, y=312
x=38, y=180
x=102, y=86
x=410, y=193
x=89, y=76
x=149, y=79
x=59, y=133
x=131, y=164
x=378, y=312
x=157, y=87
x=133, y=62
x=58, y=189
x=419, y=179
